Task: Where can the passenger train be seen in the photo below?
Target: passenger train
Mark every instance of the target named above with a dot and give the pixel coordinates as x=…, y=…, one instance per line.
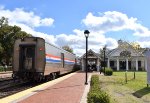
x=35, y=59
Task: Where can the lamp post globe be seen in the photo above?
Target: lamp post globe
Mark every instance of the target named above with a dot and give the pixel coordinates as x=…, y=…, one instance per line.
x=86, y=33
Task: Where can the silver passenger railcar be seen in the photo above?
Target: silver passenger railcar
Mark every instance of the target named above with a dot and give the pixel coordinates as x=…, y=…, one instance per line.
x=35, y=59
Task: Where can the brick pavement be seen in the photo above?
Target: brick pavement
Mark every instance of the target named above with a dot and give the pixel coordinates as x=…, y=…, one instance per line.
x=69, y=90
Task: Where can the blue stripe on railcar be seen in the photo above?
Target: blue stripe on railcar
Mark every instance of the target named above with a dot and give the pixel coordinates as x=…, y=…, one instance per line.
x=67, y=62
x=58, y=61
x=53, y=61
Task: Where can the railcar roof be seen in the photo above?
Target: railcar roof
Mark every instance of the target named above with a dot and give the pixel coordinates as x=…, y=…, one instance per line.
x=59, y=48
x=52, y=45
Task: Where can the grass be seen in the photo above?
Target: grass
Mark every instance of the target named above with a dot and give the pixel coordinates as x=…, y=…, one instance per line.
x=139, y=82
x=134, y=91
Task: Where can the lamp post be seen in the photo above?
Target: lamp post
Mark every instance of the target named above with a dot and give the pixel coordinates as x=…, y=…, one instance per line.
x=104, y=49
x=86, y=33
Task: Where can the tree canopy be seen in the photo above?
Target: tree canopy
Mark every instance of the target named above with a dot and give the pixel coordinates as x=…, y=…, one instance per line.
x=101, y=52
x=67, y=48
x=8, y=35
x=135, y=45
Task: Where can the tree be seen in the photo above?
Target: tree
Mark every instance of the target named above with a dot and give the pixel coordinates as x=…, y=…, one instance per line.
x=135, y=45
x=8, y=35
x=67, y=48
x=3, y=21
x=101, y=51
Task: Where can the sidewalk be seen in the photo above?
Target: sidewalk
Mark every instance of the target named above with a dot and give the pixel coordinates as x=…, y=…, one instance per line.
x=3, y=72
x=69, y=90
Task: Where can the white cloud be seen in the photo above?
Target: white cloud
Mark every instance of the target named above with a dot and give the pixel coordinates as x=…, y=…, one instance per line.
x=97, y=25
x=23, y=17
x=47, y=21
x=96, y=41
x=48, y=38
x=115, y=21
x=107, y=22
x=28, y=21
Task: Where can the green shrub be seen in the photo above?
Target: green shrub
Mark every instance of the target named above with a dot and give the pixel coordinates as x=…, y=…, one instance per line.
x=95, y=83
x=1, y=69
x=96, y=95
x=141, y=69
x=76, y=68
x=94, y=80
x=108, y=71
x=133, y=68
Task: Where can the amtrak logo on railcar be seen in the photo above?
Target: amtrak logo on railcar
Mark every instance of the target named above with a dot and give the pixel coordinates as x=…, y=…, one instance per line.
x=52, y=59
x=55, y=59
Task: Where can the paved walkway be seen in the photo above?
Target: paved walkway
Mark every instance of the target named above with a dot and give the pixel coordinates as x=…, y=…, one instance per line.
x=70, y=90
x=5, y=74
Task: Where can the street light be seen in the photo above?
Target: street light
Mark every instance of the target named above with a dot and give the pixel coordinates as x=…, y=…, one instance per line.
x=104, y=49
x=86, y=33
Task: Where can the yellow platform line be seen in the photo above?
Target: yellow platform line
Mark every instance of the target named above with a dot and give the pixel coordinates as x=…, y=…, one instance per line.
x=31, y=91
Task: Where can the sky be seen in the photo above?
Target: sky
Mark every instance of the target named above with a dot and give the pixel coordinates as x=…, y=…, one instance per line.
x=62, y=22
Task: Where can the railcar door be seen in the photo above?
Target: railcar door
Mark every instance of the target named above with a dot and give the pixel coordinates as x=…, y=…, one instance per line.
x=27, y=58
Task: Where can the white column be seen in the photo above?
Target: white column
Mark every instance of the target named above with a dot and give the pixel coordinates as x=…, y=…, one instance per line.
x=98, y=64
x=82, y=61
x=127, y=67
x=117, y=64
x=108, y=63
x=145, y=63
x=136, y=64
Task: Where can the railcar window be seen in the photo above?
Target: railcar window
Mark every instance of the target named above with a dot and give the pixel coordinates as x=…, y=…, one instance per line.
x=29, y=52
x=29, y=58
x=62, y=60
x=75, y=61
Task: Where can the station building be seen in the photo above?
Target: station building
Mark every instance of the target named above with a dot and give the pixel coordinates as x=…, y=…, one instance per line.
x=93, y=60
x=124, y=57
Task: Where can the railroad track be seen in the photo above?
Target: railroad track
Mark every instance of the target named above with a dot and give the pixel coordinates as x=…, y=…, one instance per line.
x=15, y=87
x=9, y=87
x=5, y=79
x=5, y=83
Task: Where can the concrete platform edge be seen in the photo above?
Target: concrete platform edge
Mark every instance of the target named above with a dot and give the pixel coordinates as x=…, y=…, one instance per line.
x=24, y=94
x=86, y=90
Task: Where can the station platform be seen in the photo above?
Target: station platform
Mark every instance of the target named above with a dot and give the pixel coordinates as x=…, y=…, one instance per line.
x=67, y=89
x=5, y=74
